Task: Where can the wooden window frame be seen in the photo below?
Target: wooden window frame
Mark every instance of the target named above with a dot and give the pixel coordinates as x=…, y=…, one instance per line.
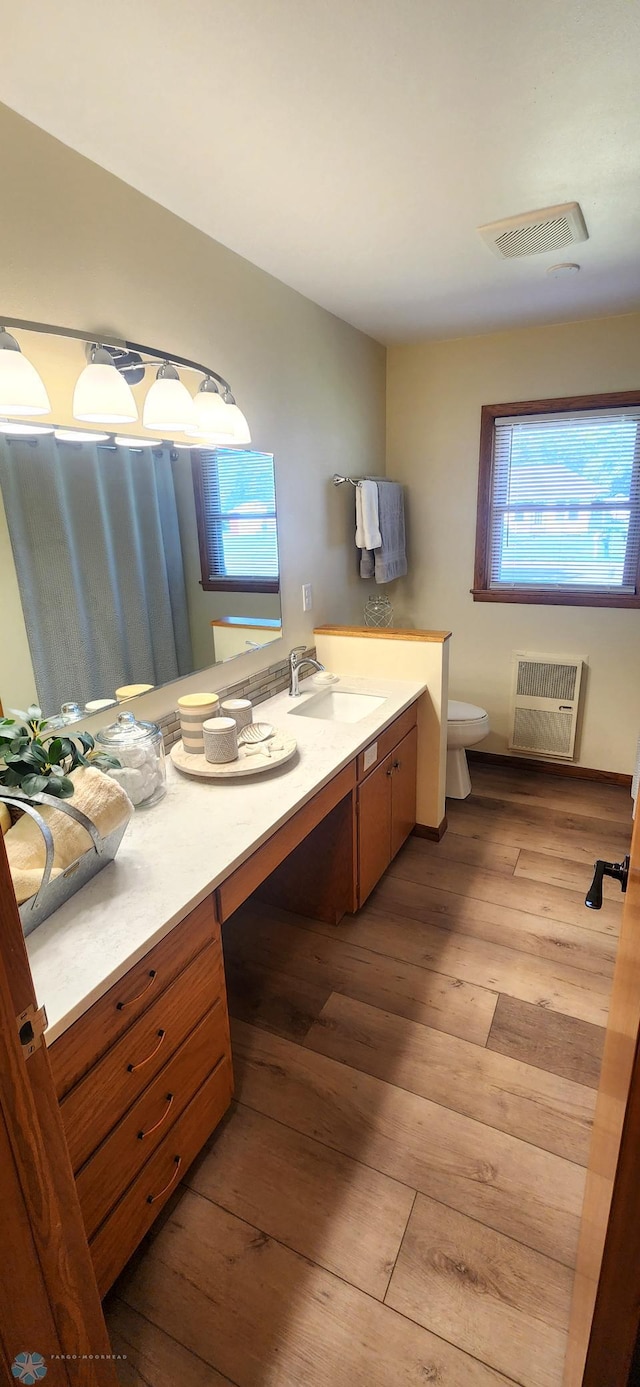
x=221, y=584
x=481, y=591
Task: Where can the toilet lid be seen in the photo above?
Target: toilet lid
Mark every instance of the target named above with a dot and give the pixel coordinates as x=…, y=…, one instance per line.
x=464, y=712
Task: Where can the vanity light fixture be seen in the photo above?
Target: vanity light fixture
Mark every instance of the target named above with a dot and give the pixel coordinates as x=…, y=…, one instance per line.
x=79, y=436
x=102, y=395
x=168, y=405
x=21, y=388
x=25, y=430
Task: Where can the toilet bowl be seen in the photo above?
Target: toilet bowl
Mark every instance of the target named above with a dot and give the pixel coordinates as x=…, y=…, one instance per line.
x=467, y=724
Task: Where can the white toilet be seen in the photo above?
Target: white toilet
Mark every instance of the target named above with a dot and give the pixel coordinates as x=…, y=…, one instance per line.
x=466, y=725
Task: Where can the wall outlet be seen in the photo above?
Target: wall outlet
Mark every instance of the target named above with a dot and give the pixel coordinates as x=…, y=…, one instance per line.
x=307, y=597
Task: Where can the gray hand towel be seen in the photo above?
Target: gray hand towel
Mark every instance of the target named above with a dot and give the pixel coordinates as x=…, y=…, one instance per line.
x=390, y=560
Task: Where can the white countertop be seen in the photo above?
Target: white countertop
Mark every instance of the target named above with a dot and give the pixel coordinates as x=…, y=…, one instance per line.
x=175, y=853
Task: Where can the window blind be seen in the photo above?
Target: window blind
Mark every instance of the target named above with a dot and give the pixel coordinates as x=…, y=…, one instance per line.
x=565, y=502
x=239, y=534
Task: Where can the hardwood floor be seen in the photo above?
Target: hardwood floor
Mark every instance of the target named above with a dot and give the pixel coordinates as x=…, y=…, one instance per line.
x=395, y=1197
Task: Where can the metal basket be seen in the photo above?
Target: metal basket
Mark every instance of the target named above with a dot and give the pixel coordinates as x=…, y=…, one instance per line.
x=53, y=893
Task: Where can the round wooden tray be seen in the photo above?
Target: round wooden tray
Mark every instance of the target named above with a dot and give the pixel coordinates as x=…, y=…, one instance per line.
x=249, y=762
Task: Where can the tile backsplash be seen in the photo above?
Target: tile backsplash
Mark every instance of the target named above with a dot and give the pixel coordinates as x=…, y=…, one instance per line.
x=258, y=687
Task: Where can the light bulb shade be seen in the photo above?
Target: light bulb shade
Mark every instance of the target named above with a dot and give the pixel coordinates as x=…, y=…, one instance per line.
x=240, y=428
x=29, y=430
x=79, y=436
x=21, y=388
x=168, y=405
x=212, y=416
x=125, y=442
x=102, y=395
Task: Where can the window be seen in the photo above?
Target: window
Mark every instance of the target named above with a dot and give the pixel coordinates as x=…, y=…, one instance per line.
x=236, y=516
x=559, y=502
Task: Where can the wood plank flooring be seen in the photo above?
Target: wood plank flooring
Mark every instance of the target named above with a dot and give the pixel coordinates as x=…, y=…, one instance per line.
x=394, y=1199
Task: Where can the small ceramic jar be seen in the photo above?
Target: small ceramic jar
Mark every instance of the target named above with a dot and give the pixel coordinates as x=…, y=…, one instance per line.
x=139, y=748
x=239, y=709
x=220, y=740
x=193, y=710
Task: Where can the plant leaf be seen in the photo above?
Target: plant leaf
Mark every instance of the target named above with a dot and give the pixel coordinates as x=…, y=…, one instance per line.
x=54, y=751
x=65, y=788
x=34, y=784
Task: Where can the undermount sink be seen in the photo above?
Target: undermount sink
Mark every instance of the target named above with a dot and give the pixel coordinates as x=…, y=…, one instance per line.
x=338, y=705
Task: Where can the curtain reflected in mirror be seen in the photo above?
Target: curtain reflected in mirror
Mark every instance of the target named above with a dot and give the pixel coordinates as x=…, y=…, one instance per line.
x=101, y=550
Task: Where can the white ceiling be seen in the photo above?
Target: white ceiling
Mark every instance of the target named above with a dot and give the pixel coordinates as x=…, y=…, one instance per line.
x=351, y=147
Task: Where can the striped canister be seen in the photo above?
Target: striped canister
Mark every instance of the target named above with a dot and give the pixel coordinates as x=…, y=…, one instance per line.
x=193, y=710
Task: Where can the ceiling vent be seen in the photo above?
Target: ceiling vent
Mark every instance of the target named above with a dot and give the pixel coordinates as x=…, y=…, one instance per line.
x=549, y=228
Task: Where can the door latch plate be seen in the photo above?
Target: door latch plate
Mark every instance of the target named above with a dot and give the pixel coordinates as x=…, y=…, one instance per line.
x=32, y=1024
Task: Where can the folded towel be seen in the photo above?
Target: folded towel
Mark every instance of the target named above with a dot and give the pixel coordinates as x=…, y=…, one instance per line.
x=99, y=797
x=390, y=560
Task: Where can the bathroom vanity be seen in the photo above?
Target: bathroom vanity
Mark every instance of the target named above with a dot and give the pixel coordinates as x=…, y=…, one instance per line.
x=131, y=970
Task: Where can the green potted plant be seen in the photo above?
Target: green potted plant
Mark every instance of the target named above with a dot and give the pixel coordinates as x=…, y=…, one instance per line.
x=34, y=758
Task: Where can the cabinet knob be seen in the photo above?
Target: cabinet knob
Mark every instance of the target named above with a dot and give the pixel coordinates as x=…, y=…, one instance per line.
x=397, y=765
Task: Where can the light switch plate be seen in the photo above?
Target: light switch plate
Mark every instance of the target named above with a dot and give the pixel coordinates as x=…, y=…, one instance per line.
x=307, y=597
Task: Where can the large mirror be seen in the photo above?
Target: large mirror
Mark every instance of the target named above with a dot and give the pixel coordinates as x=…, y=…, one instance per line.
x=129, y=565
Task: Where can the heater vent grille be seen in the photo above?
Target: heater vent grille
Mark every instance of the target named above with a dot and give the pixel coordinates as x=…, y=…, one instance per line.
x=544, y=704
x=536, y=730
x=548, y=228
x=540, y=680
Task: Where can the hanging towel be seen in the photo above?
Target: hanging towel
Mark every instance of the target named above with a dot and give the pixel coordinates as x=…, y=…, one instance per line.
x=367, y=526
x=390, y=558
x=367, y=523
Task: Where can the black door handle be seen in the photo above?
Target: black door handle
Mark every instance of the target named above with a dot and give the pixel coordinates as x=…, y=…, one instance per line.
x=618, y=870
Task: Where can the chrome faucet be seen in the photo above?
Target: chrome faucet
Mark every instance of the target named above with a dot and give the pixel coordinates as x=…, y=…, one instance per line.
x=297, y=661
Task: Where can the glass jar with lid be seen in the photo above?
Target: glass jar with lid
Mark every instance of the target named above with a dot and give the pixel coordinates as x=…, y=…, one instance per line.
x=378, y=610
x=139, y=748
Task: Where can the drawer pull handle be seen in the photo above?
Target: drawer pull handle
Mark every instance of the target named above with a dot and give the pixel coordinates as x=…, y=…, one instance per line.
x=142, y=1135
x=120, y=1006
x=151, y=1198
x=131, y=1068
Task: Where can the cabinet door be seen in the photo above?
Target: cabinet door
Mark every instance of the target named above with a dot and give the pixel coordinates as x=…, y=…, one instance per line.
x=374, y=828
x=404, y=764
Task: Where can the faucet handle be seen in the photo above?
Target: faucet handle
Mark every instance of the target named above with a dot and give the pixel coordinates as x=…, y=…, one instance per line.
x=294, y=655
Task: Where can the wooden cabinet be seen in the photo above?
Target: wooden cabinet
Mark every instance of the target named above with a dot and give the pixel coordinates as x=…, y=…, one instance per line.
x=404, y=766
x=143, y=1077
x=374, y=827
x=386, y=809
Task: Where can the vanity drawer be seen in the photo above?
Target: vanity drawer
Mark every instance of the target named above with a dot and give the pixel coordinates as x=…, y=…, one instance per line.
x=124, y=1152
x=92, y=1034
x=121, y=1232
x=95, y=1104
x=388, y=740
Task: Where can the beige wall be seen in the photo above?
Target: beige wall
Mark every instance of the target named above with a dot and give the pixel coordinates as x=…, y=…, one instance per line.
x=435, y=392
x=82, y=249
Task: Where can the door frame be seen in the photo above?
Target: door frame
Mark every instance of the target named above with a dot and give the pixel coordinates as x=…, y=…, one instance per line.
x=49, y=1301
x=605, y=1310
